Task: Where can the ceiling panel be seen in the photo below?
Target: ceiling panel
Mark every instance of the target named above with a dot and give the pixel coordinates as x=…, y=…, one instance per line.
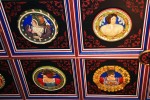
x=20, y=45
x=74, y=49
x=9, y=86
x=67, y=66
x=90, y=40
x=93, y=67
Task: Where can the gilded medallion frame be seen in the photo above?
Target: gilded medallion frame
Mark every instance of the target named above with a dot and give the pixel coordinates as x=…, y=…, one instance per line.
x=141, y=54
x=2, y=81
x=100, y=71
x=49, y=18
x=122, y=16
x=63, y=77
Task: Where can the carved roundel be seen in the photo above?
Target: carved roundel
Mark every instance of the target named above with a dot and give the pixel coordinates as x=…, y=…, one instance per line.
x=2, y=81
x=145, y=57
x=112, y=24
x=49, y=78
x=37, y=26
x=111, y=78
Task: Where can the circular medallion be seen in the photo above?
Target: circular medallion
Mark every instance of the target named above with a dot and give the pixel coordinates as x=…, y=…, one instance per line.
x=49, y=78
x=2, y=81
x=111, y=78
x=144, y=57
x=37, y=26
x=112, y=25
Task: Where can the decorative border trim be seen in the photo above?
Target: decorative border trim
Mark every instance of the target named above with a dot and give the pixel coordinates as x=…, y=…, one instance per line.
x=2, y=52
x=148, y=90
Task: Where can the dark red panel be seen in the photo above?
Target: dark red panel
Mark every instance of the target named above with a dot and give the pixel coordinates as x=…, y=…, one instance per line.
x=131, y=66
x=134, y=8
x=9, y=87
x=29, y=66
x=55, y=8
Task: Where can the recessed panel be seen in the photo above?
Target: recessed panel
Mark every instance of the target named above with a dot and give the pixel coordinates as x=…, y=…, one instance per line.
x=50, y=77
x=115, y=77
x=43, y=27
x=8, y=85
x=112, y=24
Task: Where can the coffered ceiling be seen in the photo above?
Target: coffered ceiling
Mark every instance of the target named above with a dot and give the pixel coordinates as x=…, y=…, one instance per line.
x=70, y=49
